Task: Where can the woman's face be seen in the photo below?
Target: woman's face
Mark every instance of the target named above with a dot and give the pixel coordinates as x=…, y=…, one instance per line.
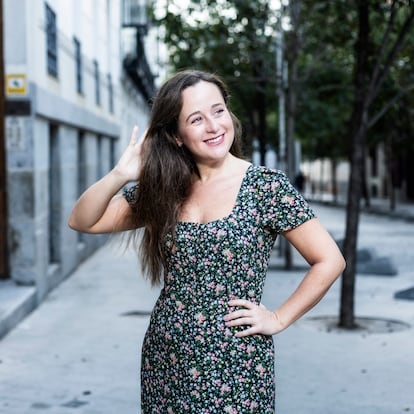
x=205, y=126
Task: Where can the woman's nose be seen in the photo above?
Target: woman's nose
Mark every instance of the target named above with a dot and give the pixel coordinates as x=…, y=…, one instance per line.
x=211, y=124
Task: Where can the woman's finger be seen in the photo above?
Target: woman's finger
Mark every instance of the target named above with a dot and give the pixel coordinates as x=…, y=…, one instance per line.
x=242, y=302
x=240, y=321
x=134, y=135
x=236, y=314
x=247, y=332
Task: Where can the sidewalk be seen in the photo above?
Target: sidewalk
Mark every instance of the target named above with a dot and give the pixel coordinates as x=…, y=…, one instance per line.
x=16, y=302
x=79, y=352
x=378, y=206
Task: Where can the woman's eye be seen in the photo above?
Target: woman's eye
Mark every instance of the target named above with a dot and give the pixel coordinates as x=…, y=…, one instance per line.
x=196, y=120
x=219, y=111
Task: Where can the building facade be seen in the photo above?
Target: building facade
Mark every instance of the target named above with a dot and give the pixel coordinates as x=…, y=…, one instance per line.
x=77, y=81
x=387, y=177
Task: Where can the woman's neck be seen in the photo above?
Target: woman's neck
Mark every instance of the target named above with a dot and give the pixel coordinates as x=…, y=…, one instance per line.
x=228, y=165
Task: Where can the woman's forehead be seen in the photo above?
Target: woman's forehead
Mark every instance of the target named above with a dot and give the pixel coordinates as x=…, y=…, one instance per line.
x=201, y=95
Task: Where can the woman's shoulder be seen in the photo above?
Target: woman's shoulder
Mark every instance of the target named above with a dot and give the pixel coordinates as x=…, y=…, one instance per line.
x=269, y=182
x=265, y=175
x=282, y=206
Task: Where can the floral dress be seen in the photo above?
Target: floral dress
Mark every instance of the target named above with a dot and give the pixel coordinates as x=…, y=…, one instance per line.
x=192, y=362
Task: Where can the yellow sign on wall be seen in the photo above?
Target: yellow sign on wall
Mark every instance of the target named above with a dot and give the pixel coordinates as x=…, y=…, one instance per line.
x=16, y=84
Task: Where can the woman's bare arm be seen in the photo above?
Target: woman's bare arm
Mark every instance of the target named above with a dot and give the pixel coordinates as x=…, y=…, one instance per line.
x=319, y=249
x=100, y=209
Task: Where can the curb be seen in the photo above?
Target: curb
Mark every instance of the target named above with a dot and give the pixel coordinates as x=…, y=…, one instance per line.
x=16, y=302
x=373, y=210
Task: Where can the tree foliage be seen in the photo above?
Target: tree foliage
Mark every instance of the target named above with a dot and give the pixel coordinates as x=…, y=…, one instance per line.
x=381, y=35
x=353, y=77
x=356, y=76
x=325, y=75
x=234, y=39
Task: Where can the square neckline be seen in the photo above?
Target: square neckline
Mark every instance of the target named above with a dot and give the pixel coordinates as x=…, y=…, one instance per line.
x=226, y=217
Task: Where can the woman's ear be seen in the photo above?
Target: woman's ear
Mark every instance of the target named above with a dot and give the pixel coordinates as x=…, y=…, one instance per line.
x=179, y=142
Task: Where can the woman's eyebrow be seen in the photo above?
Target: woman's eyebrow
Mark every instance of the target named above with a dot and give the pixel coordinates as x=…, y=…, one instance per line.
x=192, y=114
x=199, y=112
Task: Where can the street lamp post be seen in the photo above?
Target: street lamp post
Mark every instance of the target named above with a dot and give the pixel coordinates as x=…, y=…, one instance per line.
x=283, y=162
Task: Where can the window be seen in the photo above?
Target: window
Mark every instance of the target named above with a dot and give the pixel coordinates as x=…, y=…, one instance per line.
x=100, y=152
x=97, y=81
x=82, y=169
x=112, y=155
x=110, y=94
x=78, y=60
x=55, y=197
x=51, y=41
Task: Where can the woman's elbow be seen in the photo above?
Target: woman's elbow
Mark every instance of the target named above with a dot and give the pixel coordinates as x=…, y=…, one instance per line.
x=339, y=264
x=334, y=264
x=74, y=224
x=343, y=264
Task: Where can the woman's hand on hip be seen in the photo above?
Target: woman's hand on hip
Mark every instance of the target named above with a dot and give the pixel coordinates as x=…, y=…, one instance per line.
x=257, y=317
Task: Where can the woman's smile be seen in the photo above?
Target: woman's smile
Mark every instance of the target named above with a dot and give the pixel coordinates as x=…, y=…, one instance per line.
x=215, y=141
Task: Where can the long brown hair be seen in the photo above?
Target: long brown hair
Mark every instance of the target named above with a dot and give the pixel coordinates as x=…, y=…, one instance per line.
x=168, y=169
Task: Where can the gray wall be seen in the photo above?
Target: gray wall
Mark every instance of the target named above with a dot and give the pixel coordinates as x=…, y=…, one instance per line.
x=44, y=181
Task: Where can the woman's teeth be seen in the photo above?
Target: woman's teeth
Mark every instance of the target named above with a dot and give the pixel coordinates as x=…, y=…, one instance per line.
x=212, y=141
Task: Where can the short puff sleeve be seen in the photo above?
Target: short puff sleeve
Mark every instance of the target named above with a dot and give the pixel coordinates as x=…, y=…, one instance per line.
x=130, y=193
x=283, y=207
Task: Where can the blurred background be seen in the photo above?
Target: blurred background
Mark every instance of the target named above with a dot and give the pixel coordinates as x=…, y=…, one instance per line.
x=324, y=90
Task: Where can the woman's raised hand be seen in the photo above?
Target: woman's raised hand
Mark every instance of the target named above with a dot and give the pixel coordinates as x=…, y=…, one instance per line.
x=130, y=163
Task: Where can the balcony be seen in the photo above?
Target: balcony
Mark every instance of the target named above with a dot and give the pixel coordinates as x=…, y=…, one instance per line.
x=135, y=61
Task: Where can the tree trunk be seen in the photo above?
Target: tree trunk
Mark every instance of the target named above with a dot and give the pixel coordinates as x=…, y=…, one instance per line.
x=359, y=128
x=347, y=312
x=292, y=57
x=334, y=180
x=365, y=190
x=389, y=160
x=366, y=86
x=261, y=105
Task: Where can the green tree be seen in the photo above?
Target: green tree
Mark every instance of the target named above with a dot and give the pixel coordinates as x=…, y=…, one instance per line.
x=373, y=65
x=353, y=74
x=324, y=81
x=352, y=65
x=234, y=39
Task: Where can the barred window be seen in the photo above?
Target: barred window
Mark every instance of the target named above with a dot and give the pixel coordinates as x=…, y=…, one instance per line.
x=78, y=62
x=110, y=94
x=97, y=83
x=51, y=41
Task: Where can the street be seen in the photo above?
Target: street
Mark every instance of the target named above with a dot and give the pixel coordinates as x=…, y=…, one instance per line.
x=79, y=352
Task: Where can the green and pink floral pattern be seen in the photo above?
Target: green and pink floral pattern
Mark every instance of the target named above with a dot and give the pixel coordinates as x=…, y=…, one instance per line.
x=192, y=362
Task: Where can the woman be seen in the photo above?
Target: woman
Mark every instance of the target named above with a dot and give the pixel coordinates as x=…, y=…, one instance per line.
x=210, y=220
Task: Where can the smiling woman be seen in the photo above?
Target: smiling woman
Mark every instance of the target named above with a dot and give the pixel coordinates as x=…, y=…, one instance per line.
x=208, y=132
x=210, y=221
